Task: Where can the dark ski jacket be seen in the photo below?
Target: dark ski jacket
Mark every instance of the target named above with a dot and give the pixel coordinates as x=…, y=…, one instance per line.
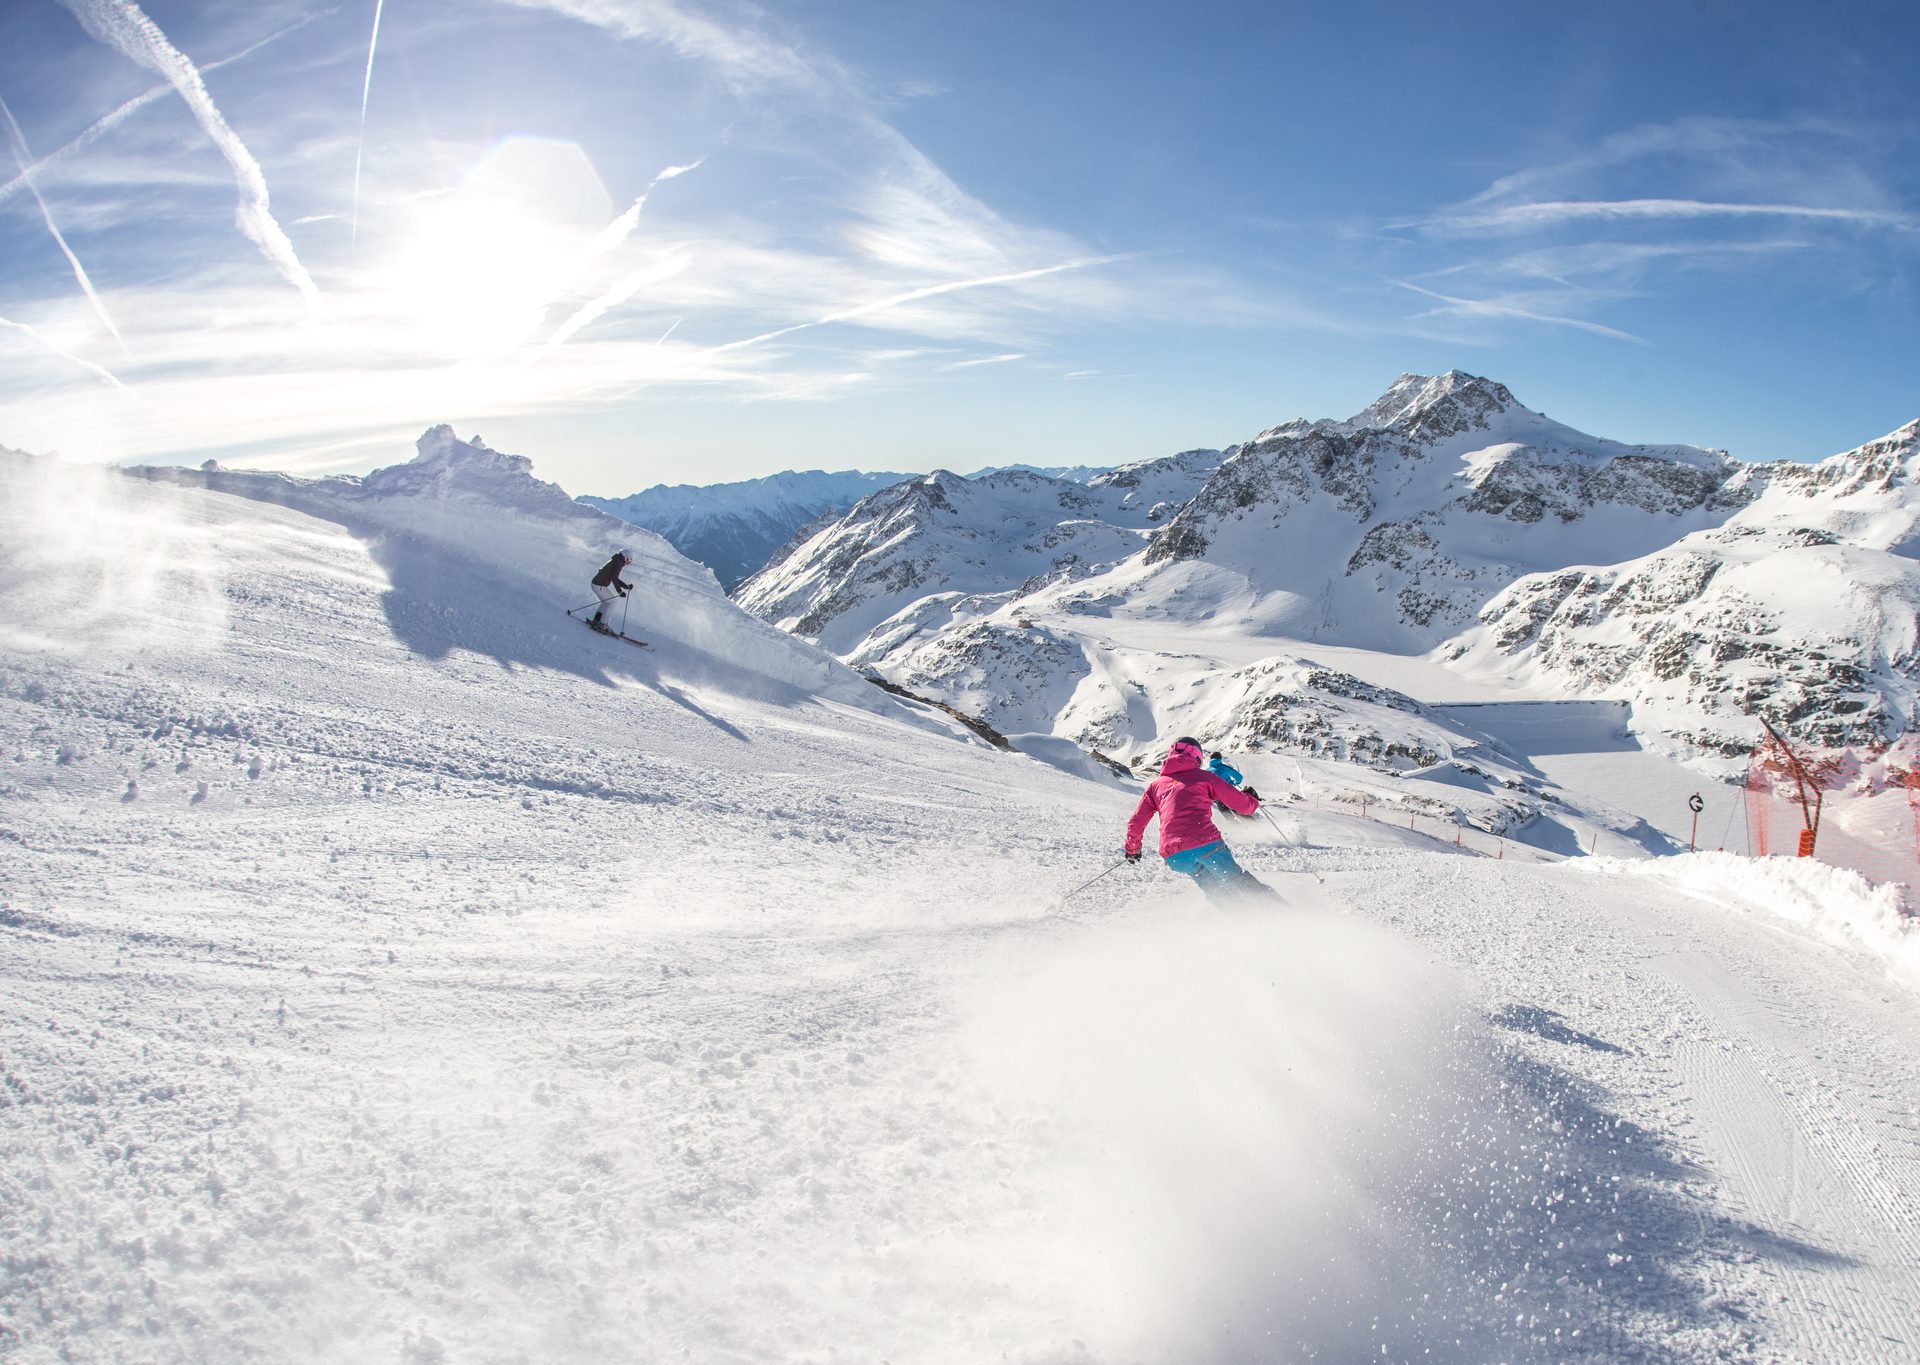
x=609, y=575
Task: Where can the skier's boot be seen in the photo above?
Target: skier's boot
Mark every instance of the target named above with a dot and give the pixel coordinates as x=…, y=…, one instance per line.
x=600, y=626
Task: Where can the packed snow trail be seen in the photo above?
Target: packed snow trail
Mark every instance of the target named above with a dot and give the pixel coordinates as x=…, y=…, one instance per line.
x=391, y=970
x=1786, y=1072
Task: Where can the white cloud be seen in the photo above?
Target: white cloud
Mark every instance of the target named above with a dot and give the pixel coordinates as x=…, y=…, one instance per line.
x=1552, y=213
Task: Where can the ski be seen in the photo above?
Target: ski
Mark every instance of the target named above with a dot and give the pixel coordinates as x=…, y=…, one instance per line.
x=610, y=634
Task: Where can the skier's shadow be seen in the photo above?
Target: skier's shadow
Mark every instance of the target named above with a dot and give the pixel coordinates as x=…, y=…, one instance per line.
x=679, y=698
x=1546, y=1024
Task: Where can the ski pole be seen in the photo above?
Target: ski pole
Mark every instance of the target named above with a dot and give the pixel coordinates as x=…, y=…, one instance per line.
x=623, y=612
x=1089, y=882
x=583, y=606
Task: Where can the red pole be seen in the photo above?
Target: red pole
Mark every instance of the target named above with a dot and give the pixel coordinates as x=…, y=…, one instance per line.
x=1694, y=837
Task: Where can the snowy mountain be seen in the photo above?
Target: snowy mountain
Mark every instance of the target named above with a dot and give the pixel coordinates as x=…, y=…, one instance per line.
x=949, y=537
x=1392, y=528
x=1803, y=605
x=1072, y=473
x=1446, y=517
x=733, y=528
x=394, y=971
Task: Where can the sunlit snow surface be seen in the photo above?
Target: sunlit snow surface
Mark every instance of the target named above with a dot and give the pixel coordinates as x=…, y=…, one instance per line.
x=390, y=969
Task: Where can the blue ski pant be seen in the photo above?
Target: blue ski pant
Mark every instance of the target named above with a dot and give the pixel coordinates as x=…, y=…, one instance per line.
x=1215, y=872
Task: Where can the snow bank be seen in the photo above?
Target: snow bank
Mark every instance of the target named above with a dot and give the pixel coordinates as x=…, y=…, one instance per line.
x=1833, y=904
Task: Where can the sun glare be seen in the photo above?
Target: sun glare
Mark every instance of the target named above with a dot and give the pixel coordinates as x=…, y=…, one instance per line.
x=481, y=267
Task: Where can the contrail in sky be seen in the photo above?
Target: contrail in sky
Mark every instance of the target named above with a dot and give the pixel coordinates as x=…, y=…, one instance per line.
x=61, y=351
x=366, y=89
x=606, y=240
x=617, y=231
x=123, y=25
x=106, y=123
x=1486, y=308
x=614, y=297
x=881, y=305
x=23, y=155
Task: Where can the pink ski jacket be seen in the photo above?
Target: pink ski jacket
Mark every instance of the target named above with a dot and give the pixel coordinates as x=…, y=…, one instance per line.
x=1183, y=796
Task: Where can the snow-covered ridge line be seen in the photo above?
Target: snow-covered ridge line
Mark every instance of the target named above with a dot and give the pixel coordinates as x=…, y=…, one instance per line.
x=1446, y=515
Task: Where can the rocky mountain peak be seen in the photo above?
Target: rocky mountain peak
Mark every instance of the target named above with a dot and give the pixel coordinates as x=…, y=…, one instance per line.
x=1429, y=406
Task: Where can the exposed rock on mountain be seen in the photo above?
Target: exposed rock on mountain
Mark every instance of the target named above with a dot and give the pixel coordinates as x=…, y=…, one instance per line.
x=957, y=537
x=1803, y=606
x=1394, y=526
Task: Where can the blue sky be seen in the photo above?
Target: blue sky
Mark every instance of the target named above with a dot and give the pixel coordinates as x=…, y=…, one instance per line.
x=646, y=240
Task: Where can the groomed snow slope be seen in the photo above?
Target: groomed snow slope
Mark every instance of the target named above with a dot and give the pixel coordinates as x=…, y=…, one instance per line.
x=394, y=973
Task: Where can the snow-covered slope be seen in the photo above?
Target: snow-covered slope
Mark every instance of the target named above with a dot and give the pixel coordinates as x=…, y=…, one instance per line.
x=460, y=515
x=392, y=971
x=1804, y=606
x=944, y=534
x=733, y=528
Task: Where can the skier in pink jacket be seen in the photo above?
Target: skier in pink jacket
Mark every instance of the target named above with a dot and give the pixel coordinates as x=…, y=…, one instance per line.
x=1183, y=797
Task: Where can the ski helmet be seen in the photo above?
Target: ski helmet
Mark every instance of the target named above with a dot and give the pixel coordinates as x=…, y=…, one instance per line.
x=621, y=552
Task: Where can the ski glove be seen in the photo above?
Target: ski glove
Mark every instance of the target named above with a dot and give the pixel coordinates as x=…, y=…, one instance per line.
x=1251, y=792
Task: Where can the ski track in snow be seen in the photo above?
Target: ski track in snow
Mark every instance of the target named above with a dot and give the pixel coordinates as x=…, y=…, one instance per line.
x=530, y=997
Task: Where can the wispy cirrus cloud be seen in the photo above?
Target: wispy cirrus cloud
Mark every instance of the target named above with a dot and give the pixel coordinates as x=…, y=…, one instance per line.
x=1643, y=209
x=124, y=26
x=739, y=53
x=1556, y=212
x=894, y=222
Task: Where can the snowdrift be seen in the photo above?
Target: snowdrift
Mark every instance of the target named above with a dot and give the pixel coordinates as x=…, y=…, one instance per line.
x=1833, y=905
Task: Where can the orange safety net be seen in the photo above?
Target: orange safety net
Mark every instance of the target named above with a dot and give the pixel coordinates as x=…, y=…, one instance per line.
x=1856, y=806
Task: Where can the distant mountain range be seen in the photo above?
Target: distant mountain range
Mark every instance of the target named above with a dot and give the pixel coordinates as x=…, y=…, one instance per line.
x=1447, y=519
x=734, y=528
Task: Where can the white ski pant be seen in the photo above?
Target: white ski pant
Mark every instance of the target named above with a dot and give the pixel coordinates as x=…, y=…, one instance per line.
x=608, y=595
